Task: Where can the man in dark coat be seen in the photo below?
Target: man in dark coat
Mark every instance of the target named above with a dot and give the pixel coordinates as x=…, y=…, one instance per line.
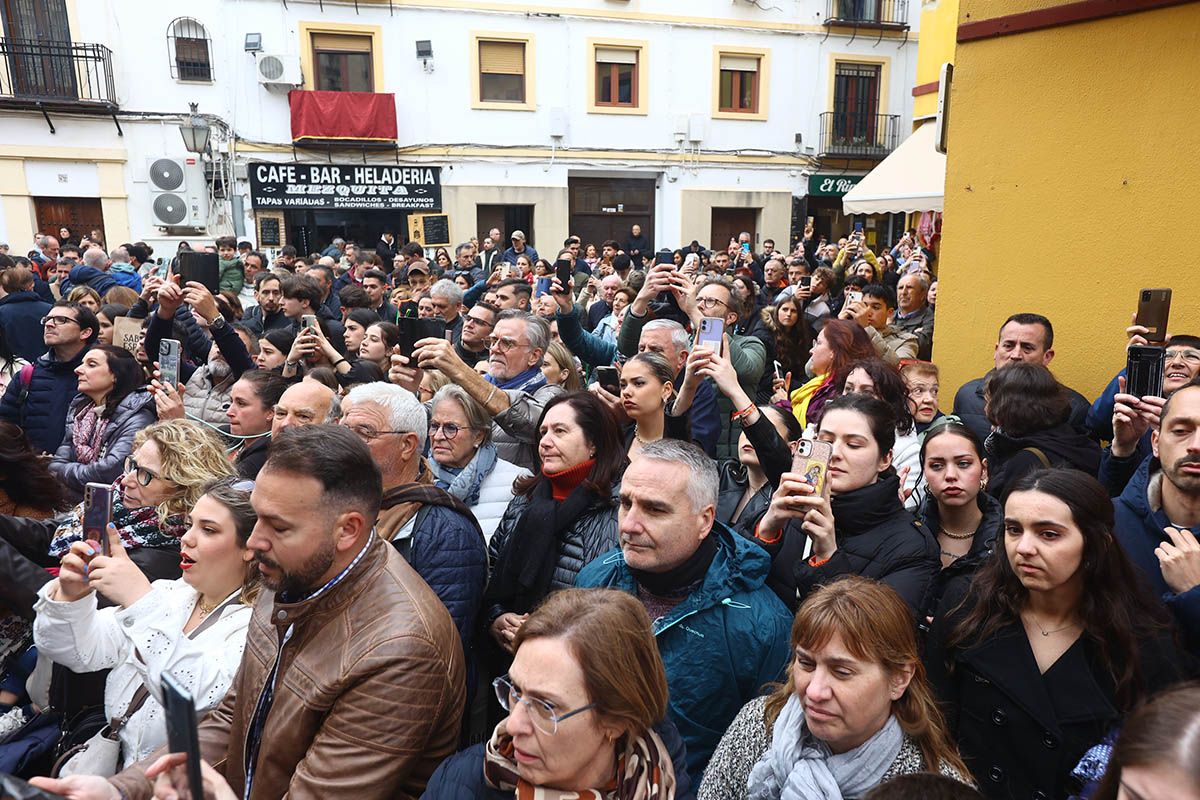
x=40, y=406
x=21, y=312
x=1158, y=514
x=638, y=246
x=1023, y=337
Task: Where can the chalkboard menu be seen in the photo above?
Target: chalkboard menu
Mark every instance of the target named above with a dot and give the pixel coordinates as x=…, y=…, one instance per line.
x=269, y=232
x=430, y=230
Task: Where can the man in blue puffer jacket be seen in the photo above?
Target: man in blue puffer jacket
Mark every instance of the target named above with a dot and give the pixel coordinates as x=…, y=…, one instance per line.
x=722, y=633
x=39, y=407
x=1158, y=514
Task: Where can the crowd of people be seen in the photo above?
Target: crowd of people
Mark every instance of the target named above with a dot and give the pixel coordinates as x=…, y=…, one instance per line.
x=490, y=525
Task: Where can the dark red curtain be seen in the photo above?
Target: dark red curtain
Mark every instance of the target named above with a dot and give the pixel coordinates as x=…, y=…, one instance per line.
x=363, y=116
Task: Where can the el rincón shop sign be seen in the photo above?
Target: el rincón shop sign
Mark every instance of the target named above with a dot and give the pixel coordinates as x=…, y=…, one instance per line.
x=345, y=186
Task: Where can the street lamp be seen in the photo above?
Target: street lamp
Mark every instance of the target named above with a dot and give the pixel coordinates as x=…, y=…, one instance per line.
x=196, y=132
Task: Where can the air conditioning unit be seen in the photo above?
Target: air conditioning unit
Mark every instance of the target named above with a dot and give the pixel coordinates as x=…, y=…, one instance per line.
x=278, y=70
x=178, y=193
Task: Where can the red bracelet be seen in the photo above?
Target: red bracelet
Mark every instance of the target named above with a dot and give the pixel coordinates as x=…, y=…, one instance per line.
x=737, y=416
x=772, y=537
x=816, y=561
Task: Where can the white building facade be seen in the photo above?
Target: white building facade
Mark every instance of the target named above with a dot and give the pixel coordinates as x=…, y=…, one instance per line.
x=694, y=120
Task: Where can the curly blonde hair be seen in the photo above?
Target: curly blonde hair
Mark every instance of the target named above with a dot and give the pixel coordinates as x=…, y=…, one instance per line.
x=191, y=457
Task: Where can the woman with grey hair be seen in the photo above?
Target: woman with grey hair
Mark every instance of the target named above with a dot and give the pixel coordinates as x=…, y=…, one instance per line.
x=464, y=460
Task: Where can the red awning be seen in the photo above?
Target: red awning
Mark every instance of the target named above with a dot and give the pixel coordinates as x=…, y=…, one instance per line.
x=352, y=116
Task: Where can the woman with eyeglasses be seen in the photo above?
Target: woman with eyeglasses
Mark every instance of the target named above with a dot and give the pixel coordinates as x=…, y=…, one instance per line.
x=464, y=460
x=956, y=508
x=854, y=711
x=1054, y=642
x=561, y=518
x=111, y=407
x=586, y=703
x=193, y=627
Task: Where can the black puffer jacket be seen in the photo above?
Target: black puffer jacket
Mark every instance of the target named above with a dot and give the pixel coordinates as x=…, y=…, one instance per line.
x=876, y=538
x=593, y=533
x=951, y=581
x=1011, y=457
x=775, y=458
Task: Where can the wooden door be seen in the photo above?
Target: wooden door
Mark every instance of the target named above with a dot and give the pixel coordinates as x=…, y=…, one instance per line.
x=80, y=214
x=40, y=63
x=728, y=223
x=608, y=208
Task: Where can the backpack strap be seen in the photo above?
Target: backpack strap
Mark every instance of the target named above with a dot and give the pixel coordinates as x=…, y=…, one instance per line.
x=1040, y=455
x=26, y=380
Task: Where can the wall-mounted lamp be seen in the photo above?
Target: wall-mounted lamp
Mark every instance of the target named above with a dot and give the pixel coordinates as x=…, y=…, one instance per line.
x=425, y=53
x=253, y=43
x=195, y=132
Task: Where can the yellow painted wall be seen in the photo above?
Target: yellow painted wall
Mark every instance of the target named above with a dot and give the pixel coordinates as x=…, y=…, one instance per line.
x=1071, y=182
x=939, y=29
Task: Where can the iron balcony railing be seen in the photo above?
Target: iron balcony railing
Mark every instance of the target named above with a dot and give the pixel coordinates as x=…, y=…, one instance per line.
x=855, y=135
x=56, y=74
x=867, y=13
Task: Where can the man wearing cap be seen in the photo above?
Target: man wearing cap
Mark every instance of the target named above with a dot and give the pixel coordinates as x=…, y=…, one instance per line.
x=417, y=277
x=519, y=248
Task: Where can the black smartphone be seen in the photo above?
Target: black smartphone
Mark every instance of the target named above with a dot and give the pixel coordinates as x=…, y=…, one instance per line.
x=664, y=257
x=1144, y=370
x=414, y=329
x=13, y=788
x=203, y=268
x=806, y=281
x=183, y=736
x=1154, y=310
x=563, y=271
x=168, y=362
x=97, y=512
x=609, y=380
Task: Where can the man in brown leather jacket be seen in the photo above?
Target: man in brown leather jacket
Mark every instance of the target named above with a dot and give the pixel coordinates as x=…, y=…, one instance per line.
x=352, y=684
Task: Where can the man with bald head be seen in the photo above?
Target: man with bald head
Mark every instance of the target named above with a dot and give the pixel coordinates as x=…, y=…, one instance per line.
x=305, y=403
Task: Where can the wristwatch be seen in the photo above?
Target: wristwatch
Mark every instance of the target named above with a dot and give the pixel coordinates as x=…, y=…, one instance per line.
x=218, y=322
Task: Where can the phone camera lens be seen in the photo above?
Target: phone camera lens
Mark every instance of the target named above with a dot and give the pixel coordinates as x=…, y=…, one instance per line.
x=1146, y=296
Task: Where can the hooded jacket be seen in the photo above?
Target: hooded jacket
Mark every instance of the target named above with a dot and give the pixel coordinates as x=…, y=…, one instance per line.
x=720, y=646
x=876, y=538
x=1139, y=528
x=135, y=411
x=1011, y=457
x=21, y=318
x=43, y=415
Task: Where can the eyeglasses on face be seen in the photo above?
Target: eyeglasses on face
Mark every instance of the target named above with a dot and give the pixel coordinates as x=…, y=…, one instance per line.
x=369, y=434
x=58, y=319
x=502, y=343
x=469, y=320
x=143, y=476
x=543, y=715
x=448, y=430
x=710, y=302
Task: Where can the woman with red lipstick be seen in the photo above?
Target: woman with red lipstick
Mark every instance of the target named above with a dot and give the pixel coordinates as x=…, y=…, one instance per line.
x=647, y=386
x=193, y=628
x=854, y=711
x=1053, y=644
x=860, y=527
x=586, y=703
x=965, y=519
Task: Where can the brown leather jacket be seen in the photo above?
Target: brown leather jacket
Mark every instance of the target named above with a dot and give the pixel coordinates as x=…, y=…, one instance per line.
x=368, y=699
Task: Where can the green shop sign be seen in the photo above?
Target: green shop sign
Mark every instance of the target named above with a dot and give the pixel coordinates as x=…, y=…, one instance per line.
x=831, y=185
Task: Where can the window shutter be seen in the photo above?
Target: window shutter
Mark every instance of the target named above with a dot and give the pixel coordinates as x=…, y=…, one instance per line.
x=502, y=58
x=341, y=43
x=739, y=63
x=612, y=55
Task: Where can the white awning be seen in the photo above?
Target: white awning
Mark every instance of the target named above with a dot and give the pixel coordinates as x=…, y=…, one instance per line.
x=911, y=180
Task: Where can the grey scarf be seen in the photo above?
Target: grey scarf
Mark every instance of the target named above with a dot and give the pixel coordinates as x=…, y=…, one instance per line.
x=798, y=766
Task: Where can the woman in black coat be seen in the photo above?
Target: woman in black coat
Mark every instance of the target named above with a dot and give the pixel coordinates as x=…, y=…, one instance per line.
x=1029, y=411
x=1054, y=643
x=956, y=509
x=856, y=523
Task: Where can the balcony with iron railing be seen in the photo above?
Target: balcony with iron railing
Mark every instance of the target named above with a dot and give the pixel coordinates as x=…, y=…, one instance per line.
x=857, y=135
x=884, y=14
x=56, y=76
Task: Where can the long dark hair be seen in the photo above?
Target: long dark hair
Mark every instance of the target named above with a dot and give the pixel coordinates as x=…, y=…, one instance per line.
x=25, y=476
x=127, y=374
x=889, y=387
x=602, y=432
x=7, y=354
x=1114, y=604
x=794, y=343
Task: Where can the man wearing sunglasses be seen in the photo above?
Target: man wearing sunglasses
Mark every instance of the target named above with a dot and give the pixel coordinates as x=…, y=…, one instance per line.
x=38, y=401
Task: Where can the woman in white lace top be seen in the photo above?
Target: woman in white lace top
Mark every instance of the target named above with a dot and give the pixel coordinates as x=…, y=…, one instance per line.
x=162, y=626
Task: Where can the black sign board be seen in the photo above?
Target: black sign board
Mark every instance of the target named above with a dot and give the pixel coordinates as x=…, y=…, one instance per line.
x=437, y=229
x=268, y=232
x=345, y=186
